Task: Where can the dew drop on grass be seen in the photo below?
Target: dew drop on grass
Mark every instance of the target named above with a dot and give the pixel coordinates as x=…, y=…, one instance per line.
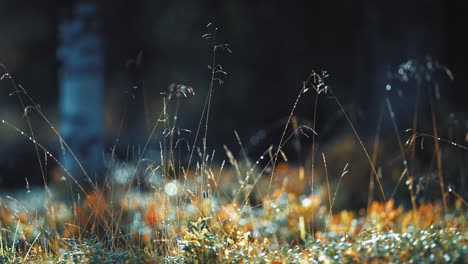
x=171, y=189
x=447, y=257
x=242, y=222
x=306, y=202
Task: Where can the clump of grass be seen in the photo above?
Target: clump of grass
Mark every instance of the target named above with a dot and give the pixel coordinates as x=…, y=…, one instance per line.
x=160, y=209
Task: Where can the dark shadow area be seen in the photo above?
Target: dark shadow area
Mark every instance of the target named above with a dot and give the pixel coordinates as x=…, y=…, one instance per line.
x=149, y=45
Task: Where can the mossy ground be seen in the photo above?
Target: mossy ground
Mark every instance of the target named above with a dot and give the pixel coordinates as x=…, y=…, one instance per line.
x=179, y=226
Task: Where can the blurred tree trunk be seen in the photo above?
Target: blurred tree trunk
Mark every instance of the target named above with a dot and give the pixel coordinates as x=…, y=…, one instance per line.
x=81, y=85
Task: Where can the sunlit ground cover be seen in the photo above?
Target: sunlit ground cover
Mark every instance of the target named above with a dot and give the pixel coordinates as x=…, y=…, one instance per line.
x=174, y=225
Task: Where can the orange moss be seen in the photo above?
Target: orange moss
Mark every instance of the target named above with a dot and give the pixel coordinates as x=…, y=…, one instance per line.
x=23, y=217
x=5, y=215
x=152, y=217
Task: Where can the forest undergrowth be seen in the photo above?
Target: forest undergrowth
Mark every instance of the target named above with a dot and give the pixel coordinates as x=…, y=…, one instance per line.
x=185, y=207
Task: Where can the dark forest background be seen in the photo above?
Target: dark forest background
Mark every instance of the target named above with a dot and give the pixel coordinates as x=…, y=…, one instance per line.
x=275, y=46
